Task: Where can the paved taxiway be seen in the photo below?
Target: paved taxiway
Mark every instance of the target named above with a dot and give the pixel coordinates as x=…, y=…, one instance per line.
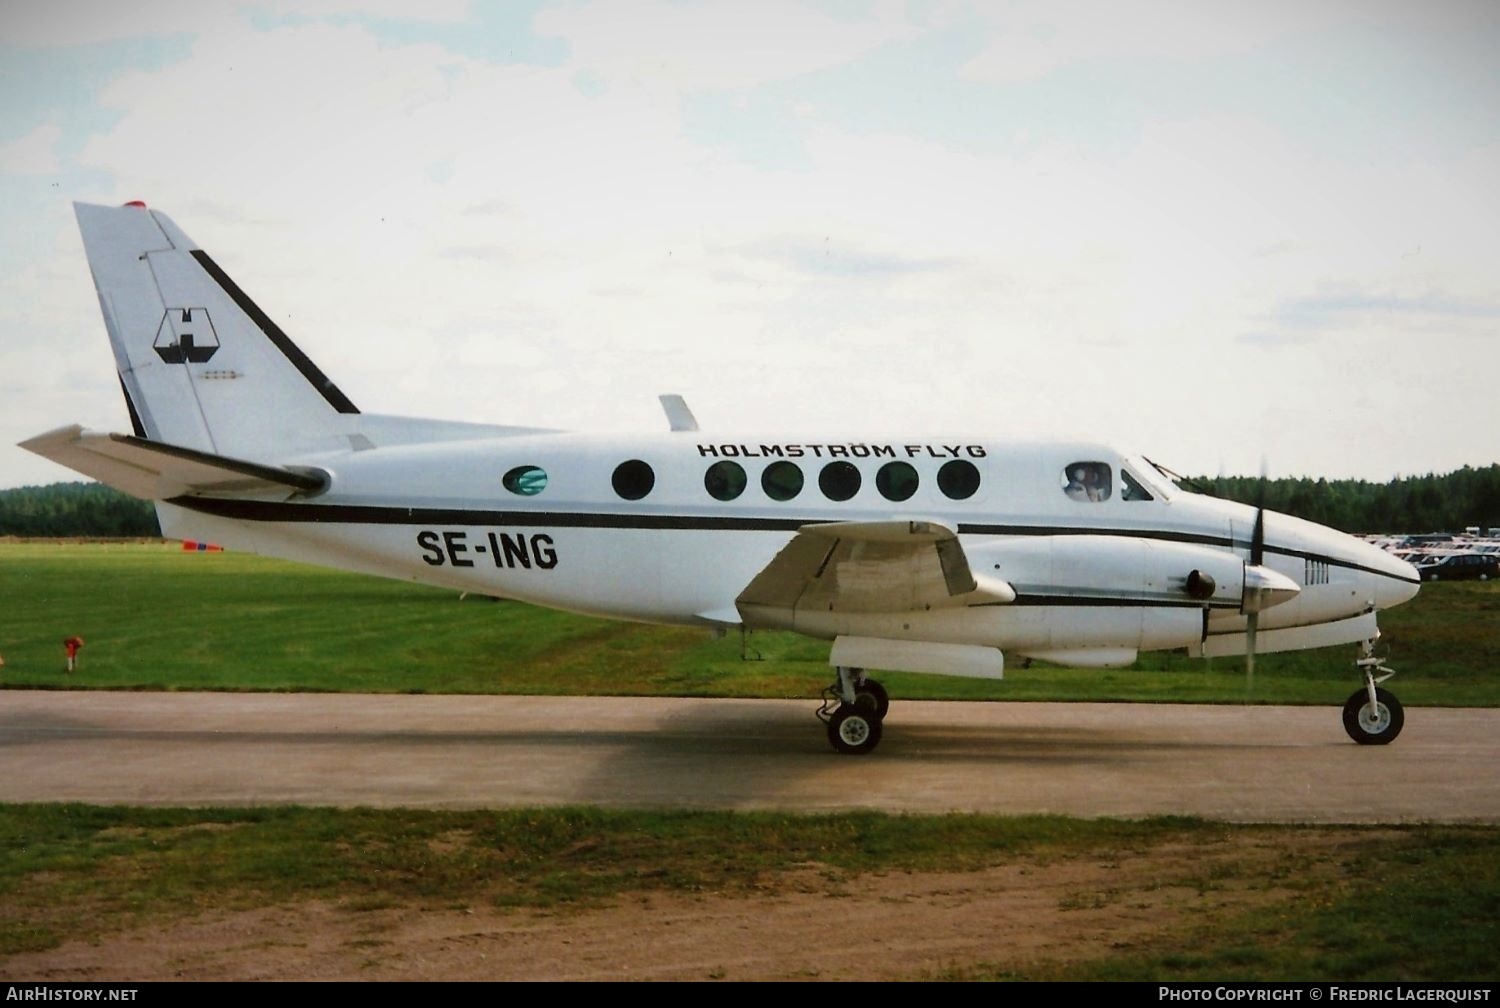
x=1277, y=764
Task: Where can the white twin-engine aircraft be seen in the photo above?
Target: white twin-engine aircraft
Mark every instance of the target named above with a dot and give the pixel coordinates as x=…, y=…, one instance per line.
x=921, y=554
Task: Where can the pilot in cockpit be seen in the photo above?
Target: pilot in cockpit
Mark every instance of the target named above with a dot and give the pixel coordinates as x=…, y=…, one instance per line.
x=1077, y=488
x=1087, y=481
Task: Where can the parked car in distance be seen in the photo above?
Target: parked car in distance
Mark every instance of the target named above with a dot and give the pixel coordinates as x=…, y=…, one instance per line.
x=1460, y=567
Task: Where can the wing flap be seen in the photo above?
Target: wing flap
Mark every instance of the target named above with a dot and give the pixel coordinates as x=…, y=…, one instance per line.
x=156, y=471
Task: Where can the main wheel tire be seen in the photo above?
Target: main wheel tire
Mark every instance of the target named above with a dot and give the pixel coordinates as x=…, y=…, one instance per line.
x=1373, y=726
x=871, y=697
x=852, y=731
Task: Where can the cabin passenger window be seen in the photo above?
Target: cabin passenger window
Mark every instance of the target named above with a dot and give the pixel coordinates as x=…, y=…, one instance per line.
x=781, y=481
x=724, y=480
x=528, y=481
x=896, y=481
x=1133, y=491
x=1087, y=481
x=958, y=479
x=633, y=480
x=839, y=481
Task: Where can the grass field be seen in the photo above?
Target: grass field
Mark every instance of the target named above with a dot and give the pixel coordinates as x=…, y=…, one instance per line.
x=1405, y=902
x=156, y=617
x=1408, y=903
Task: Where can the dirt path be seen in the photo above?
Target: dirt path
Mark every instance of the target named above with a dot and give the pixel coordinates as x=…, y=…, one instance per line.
x=807, y=925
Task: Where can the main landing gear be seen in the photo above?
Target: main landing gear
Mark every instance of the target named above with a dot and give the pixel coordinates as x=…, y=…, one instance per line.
x=1372, y=716
x=853, y=708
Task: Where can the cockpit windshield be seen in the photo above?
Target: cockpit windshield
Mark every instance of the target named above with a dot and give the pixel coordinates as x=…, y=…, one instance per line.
x=1125, y=479
x=1134, y=491
x=1162, y=479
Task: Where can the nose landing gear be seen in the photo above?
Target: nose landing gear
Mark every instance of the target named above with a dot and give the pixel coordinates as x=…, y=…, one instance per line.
x=1373, y=716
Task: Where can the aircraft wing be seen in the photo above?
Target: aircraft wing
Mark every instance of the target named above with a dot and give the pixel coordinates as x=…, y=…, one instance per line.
x=898, y=565
x=155, y=471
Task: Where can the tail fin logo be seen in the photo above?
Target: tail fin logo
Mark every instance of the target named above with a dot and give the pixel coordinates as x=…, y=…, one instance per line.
x=186, y=336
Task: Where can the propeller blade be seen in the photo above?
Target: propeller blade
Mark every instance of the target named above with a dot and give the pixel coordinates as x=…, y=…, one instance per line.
x=1258, y=537
x=1257, y=558
x=1251, y=625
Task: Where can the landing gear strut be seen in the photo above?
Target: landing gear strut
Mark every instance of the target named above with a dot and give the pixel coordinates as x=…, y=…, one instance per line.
x=854, y=707
x=1372, y=716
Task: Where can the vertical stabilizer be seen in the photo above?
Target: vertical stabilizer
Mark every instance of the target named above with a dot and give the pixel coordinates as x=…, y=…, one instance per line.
x=201, y=365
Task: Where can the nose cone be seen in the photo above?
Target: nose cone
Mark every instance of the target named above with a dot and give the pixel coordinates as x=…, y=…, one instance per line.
x=1380, y=580
x=1395, y=581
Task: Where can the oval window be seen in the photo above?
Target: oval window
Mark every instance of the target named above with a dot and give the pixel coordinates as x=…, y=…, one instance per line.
x=724, y=480
x=781, y=481
x=528, y=481
x=839, y=480
x=896, y=481
x=958, y=479
x=634, y=479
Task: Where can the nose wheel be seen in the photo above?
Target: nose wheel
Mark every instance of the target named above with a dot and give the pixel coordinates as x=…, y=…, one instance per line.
x=1373, y=722
x=854, y=708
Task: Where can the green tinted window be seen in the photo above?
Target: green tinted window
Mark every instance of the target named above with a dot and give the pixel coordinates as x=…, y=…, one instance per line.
x=528, y=481
x=896, y=481
x=839, y=481
x=781, y=481
x=724, y=480
x=633, y=480
x=958, y=479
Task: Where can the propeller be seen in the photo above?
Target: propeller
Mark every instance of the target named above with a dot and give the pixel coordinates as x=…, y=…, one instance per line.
x=1257, y=557
x=1264, y=587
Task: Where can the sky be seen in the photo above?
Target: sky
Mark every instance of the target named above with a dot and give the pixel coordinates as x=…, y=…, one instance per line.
x=1233, y=237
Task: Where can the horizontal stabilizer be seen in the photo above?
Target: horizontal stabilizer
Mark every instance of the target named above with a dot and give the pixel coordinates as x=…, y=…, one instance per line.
x=156, y=471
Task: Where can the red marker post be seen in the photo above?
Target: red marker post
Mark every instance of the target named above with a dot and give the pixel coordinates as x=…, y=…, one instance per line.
x=71, y=646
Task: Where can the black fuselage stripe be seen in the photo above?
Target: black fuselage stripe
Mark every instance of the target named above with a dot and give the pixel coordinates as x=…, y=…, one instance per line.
x=1112, y=601
x=375, y=514
x=315, y=377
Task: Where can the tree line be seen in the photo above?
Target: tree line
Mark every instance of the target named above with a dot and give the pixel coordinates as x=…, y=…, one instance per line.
x=75, y=509
x=1432, y=503
x=1451, y=502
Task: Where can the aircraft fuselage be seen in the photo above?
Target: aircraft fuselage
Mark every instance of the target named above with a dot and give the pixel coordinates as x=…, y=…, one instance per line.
x=671, y=528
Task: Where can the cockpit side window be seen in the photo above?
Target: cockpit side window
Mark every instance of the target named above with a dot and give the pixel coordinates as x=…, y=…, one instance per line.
x=1087, y=481
x=1133, y=490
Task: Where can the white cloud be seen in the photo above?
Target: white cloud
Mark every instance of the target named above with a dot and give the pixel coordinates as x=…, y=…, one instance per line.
x=1032, y=38
x=28, y=25
x=724, y=44
x=32, y=154
x=451, y=237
